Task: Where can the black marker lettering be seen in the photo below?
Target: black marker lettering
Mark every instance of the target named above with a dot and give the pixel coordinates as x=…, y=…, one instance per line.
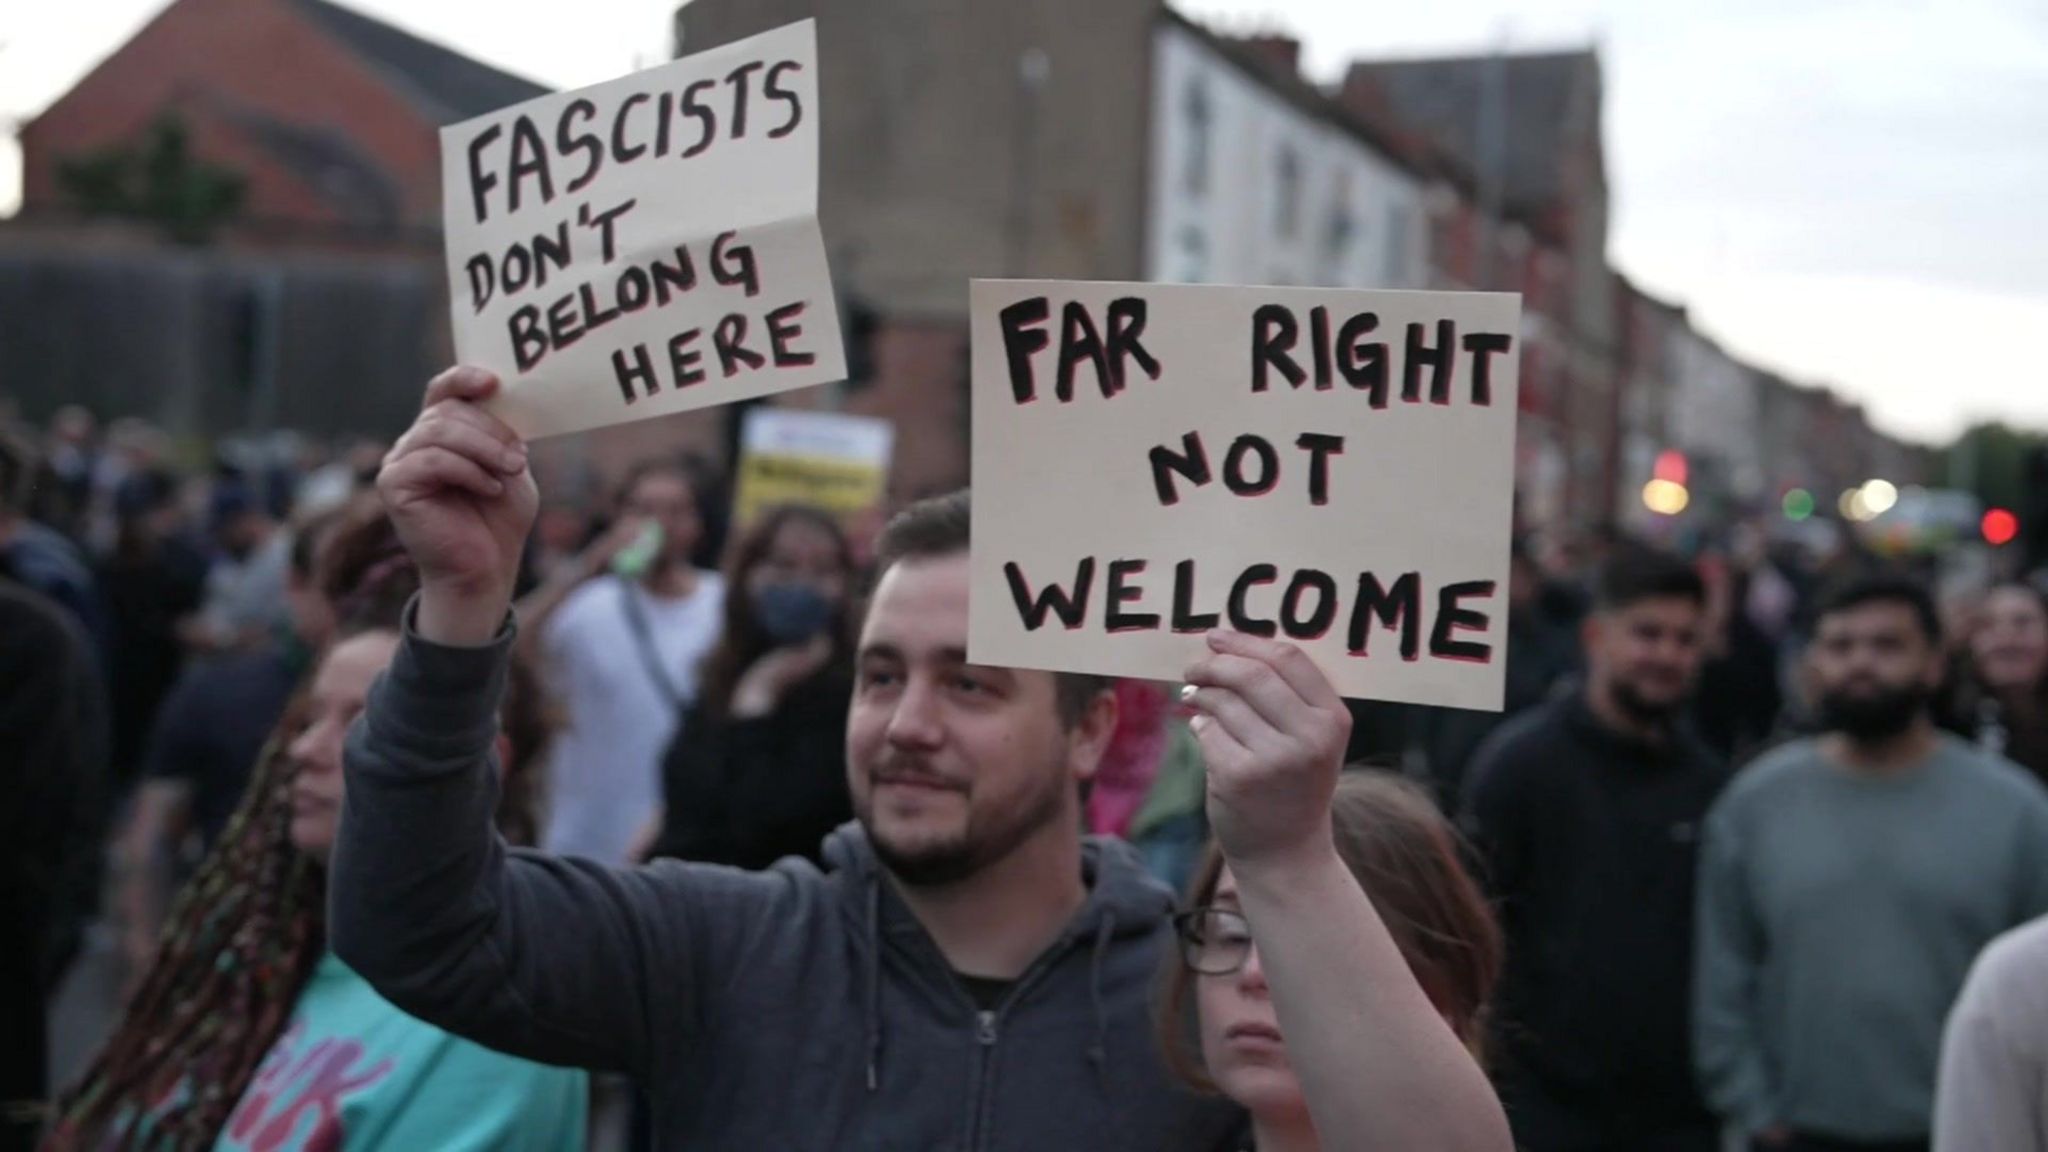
x=1023, y=335
x=1273, y=332
x=569, y=143
x=481, y=180
x=774, y=90
x=1071, y=609
x=1240, y=618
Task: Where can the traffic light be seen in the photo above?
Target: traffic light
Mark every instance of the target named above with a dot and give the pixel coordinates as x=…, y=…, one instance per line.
x=1999, y=527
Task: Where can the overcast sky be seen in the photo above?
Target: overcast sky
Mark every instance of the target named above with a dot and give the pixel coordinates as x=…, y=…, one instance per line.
x=1850, y=191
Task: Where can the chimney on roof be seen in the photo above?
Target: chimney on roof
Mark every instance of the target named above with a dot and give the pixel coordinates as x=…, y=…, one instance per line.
x=1277, y=49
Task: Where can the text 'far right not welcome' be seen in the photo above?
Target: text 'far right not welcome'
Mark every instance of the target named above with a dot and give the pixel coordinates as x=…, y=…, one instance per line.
x=1334, y=468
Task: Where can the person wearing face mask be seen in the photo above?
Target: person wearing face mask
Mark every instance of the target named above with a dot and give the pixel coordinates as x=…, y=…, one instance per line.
x=756, y=772
x=1847, y=882
x=2002, y=702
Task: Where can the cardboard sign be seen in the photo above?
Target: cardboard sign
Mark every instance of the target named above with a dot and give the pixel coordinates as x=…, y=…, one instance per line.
x=1334, y=468
x=828, y=460
x=647, y=245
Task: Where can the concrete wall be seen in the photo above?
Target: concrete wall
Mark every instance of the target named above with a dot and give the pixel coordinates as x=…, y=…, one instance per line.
x=942, y=159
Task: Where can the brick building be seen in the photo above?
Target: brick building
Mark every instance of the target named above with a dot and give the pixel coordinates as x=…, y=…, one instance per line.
x=331, y=118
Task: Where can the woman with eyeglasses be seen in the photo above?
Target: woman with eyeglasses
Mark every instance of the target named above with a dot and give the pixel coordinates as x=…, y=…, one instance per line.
x=1338, y=1020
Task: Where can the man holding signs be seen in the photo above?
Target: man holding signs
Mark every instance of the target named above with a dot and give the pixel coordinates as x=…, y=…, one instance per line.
x=968, y=972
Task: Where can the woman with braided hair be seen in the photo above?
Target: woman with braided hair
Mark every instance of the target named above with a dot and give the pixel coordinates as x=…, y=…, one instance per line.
x=248, y=1033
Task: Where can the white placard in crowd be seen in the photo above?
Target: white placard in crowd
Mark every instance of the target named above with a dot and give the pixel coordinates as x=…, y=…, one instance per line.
x=646, y=245
x=828, y=460
x=1330, y=467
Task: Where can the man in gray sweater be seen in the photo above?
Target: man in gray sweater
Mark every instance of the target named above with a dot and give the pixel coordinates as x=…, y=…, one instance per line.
x=968, y=973
x=1846, y=884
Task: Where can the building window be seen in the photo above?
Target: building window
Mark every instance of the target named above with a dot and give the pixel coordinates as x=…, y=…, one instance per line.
x=1397, y=270
x=1194, y=177
x=1286, y=192
x=1194, y=256
x=1340, y=231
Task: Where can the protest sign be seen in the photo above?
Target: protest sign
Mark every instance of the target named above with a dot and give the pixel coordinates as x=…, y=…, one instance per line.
x=1333, y=468
x=828, y=460
x=647, y=245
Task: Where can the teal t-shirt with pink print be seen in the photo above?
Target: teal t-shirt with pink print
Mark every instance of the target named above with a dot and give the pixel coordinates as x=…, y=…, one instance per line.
x=352, y=1073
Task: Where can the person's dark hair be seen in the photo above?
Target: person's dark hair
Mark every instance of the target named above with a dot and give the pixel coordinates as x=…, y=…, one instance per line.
x=361, y=568
x=1881, y=586
x=309, y=536
x=742, y=640
x=1636, y=573
x=942, y=526
x=244, y=936
x=1411, y=863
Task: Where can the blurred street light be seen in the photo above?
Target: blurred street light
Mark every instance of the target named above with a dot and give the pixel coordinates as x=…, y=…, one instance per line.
x=1852, y=506
x=1879, y=496
x=1798, y=504
x=1665, y=497
x=1999, y=527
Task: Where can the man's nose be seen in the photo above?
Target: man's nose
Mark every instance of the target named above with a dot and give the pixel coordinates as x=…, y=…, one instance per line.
x=915, y=722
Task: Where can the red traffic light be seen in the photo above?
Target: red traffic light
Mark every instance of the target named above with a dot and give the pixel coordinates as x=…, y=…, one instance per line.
x=1670, y=467
x=1999, y=526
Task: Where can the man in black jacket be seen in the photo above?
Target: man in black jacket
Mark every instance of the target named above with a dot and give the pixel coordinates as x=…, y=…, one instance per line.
x=52, y=764
x=1588, y=812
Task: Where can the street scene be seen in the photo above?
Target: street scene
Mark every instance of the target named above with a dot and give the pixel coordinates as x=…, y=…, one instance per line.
x=761, y=574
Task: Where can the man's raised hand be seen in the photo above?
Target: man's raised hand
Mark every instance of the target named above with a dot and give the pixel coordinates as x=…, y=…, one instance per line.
x=1273, y=732
x=462, y=499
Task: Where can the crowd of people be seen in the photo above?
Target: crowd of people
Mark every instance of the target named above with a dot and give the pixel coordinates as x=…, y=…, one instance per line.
x=419, y=826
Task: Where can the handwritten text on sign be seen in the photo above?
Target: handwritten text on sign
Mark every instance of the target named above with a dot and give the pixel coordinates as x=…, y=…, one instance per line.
x=1330, y=467
x=646, y=245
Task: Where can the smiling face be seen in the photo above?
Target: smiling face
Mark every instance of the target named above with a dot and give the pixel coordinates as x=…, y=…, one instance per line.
x=2009, y=643
x=954, y=766
x=1241, y=1044
x=339, y=690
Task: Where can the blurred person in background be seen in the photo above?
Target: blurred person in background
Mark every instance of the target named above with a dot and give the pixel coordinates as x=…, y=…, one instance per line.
x=247, y=1033
x=1542, y=658
x=1992, y=1093
x=757, y=770
x=622, y=637
x=153, y=583
x=52, y=769
x=245, y=602
x=1847, y=881
x=209, y=735
x=1737, y=706
x=64, y=490
x=1340, y=956
x=1587, y=811
x=38, y=557
x=2001, y=697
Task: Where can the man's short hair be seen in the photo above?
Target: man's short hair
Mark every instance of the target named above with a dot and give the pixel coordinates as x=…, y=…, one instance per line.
x=1881, y=586
x=1638, y=572
x=942, y=526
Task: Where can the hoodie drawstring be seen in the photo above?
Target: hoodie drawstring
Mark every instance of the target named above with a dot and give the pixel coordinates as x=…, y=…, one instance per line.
x=1098, y=1052
x=874, y=989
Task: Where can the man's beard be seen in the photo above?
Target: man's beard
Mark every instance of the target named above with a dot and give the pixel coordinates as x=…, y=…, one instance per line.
x=939, y=862
x=1641, y=708
x=1869, y=718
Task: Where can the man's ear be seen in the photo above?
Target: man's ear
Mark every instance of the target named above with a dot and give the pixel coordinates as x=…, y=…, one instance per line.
x=1090, y=737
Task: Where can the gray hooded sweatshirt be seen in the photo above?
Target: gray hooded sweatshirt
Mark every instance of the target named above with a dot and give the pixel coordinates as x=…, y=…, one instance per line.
x=779, y=1010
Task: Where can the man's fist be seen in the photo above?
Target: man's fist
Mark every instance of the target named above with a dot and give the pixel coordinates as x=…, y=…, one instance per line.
x=461, y=497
